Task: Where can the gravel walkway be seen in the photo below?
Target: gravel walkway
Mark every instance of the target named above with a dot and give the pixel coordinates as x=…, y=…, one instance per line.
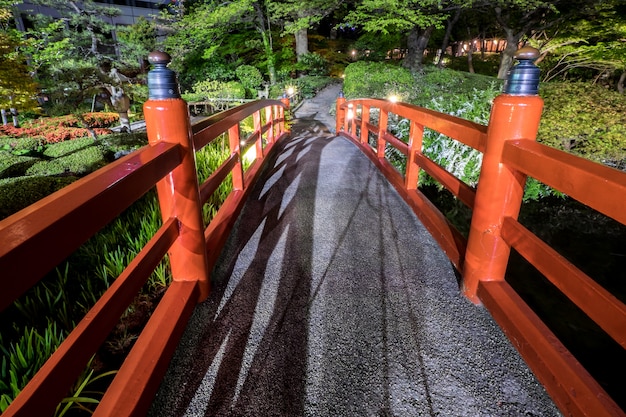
x=331, y=299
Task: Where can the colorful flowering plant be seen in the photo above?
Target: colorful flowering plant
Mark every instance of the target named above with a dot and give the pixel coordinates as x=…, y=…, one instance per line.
x=58, y=129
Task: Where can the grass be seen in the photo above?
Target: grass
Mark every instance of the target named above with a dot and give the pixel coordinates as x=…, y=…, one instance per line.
x=33, y=327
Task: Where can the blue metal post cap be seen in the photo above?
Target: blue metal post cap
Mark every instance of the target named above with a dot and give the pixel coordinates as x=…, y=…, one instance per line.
x=162, y=82
x=523, y=78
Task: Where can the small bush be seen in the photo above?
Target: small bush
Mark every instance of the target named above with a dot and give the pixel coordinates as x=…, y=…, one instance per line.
x=378, y=80
x=313, y=64
x=219, y=89
x=250, y=78
x=20, y=192
x=584, y=119
x=15, y=165
x=58, y=129
x=78, y=162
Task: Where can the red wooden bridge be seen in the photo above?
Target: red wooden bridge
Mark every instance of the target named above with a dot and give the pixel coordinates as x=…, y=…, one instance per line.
x=290, y=226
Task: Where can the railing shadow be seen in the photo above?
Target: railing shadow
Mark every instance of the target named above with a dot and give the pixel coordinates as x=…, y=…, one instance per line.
x=330, y=298
x=254, y=326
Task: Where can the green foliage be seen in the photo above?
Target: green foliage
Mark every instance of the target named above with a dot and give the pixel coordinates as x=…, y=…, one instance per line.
x=584, y=119
x=377, y=79
x=218, y=89
x=20, y=192
x=250, y=77
x=22, y=358
x=569, y=109
x=137, y=41
x=381, y=16
x=17, y=88
x=76, y=162
x=81, y=398
x=313, y=64
x=65, y=295
x=306, y=86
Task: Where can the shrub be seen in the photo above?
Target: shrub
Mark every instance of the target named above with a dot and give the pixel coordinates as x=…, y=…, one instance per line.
x=78, y=162
x=20, y=192
x=58, y=129
x=378, y=79
x=584, y=119
x=15, y=165
x=219, y=89
x=313, y=64
x=250, y=78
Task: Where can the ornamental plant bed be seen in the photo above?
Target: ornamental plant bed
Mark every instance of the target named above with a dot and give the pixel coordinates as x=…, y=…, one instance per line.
x=59, y=129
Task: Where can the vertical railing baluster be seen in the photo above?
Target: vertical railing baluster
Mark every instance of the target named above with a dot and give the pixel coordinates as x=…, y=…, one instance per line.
x=256, y=117
x=514, y=115
x=416, y=137
x=269, y=118
x=365, y=118
x=381, y=143
x=167, y=120
x=284, y=112
x=234, y=142
x=341, y=113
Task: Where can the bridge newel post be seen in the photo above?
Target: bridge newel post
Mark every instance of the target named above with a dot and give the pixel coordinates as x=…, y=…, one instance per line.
x=340, y=111
x=285, y=100
x=515, y=114
x=167, y=120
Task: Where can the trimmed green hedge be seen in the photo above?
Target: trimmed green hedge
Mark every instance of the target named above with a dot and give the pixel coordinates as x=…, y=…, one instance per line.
x=17, y=193
x=584, y=119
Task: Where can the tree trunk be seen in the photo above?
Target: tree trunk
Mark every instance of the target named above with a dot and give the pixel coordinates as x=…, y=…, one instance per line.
x=470, y=53
x=302, y=42
x=620, y=83
x=5, y=121
x=416, y=44
x=446, y=37
x=411, y=44
x=506, y=59
x=470, y=59
x=16, y=121
x=266, y=37
x=269, y=56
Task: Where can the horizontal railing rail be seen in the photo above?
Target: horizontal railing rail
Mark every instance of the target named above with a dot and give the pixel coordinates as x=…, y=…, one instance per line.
x=510, y=153
x=57, y=225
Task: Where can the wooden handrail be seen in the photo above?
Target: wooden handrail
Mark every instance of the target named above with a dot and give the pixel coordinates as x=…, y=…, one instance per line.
x=510, y=154
x=88, y=204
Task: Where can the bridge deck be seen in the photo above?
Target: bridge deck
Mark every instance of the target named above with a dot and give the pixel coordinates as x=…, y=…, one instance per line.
x=331, y=299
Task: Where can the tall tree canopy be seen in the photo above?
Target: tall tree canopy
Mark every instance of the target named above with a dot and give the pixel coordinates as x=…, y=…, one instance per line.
x=299, y=16
x=419, y=18
x=17, y=87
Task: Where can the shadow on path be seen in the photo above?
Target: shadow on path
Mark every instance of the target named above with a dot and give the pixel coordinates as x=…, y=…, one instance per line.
x=331, y=299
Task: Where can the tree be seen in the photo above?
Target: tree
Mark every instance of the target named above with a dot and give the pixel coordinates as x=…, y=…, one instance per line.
x=136, y=42
x=196, y=37
x=299, y=16
x=17, y=88
x=418, y=20
x=593, y=41
x=75, y=56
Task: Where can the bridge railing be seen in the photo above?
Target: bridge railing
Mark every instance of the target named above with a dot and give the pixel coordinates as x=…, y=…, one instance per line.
x=38, y=238
x=510, y=154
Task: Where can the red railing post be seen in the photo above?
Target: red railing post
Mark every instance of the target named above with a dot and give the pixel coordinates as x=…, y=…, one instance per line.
x=256, y=118
x=269, y=118
x=381, y=143
x=416, y=138
x=365, y=119
x=167, y=120
x=341, y=112
x=285, y=111
x=514, y=115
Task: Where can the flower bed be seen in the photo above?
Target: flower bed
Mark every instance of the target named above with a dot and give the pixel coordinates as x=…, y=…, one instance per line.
x=59, y=129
